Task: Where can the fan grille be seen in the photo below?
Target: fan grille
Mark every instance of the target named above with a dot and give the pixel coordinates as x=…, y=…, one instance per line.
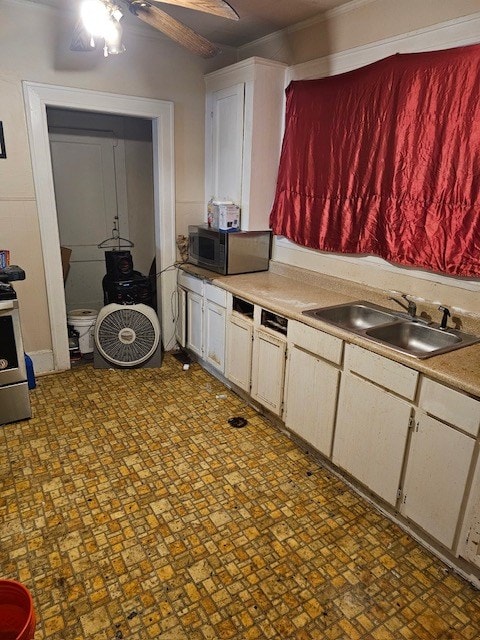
x=127, y=336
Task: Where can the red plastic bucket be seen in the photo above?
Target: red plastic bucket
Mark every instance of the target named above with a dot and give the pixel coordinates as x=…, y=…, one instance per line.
x=17, y=616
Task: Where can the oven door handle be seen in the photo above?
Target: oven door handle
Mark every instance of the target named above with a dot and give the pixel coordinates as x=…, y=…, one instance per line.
x=5, y=305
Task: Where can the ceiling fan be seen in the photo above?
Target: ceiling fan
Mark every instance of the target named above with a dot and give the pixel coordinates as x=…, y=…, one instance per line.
x=101, y=20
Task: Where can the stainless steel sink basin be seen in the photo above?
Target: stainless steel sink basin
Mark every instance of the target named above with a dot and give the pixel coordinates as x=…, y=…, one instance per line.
x=355, y=315
x=416, y=339
x=392, y=329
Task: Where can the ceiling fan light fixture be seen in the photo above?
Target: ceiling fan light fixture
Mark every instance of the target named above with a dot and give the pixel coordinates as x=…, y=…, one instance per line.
x=117, y=14
x=113, y=40
x=95, y=16
x=101, y=19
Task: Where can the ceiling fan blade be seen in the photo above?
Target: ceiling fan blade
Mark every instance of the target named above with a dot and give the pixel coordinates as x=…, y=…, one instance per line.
x=175, y=30
x=215, y=7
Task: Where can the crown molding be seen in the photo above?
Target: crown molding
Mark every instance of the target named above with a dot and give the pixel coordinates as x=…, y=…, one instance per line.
x=443, y=35
x=309, y=22
x=346, y=8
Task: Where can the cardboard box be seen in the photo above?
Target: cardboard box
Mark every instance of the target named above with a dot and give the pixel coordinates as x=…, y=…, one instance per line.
x=65, y=252
x=224, y=216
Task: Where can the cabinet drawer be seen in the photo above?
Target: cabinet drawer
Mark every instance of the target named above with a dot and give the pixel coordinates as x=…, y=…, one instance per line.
x=450, y=406
x=384, y=372
x=215, y=294
x=190, y=282
x=315, y=341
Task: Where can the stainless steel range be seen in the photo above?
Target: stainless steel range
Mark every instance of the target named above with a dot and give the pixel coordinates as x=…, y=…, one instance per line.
x=14, y=400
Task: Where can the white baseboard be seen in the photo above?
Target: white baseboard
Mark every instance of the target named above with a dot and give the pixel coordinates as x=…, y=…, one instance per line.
x=42, y=361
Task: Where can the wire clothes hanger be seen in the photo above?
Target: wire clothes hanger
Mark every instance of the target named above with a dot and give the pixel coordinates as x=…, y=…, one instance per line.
x=115, y=241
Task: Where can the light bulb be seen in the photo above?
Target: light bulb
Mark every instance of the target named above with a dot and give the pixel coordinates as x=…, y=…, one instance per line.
x=113, y=38
x=101, y=20
x=95, y=17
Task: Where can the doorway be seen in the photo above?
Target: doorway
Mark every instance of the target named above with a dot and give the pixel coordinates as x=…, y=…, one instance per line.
x=37, y=98
x=103, y=178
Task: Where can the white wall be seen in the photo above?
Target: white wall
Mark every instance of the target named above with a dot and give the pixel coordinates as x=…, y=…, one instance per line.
x=34, y=46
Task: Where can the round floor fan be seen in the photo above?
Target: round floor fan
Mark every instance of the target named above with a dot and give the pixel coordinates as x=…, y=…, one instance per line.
x=127, y=336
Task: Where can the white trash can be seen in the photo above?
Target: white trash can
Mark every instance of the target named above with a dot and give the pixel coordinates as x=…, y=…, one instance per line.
x=83, y=321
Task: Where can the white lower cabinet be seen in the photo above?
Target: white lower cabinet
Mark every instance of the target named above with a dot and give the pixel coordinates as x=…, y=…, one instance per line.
x=214, y=317
x=469, y=539
x=214, y=326
x=311, y=399
x=255, y=360
x=436, y=477
x=373, y=421
x=238, y=367
x=202, y=319
x=195, y=322
x=311, y=384
x=268, y=370
x=371, y=435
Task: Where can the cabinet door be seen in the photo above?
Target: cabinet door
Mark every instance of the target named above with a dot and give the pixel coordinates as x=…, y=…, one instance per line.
x=268, y=370
x=214, y=343
x=437, y=470
x=227, y=143
x=371, y=435
x=239, y=351
x=195, y=322
x=311, y=398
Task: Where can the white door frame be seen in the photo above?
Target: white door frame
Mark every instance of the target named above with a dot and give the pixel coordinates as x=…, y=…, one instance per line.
x=37, y=98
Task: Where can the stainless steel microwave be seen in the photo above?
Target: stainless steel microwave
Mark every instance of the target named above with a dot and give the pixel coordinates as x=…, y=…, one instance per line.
x=229, y=252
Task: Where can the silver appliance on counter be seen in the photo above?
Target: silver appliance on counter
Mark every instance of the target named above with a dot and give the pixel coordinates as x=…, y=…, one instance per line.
x=229, y=252
x=14, y=399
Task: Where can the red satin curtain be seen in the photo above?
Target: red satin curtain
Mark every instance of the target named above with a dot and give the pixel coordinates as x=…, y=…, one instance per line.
x=385, y=160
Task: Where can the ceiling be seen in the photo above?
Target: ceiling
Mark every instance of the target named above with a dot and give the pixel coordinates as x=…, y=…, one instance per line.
x=258, y=18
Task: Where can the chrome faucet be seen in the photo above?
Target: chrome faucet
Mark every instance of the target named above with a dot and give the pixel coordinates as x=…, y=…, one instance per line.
x=410, y=307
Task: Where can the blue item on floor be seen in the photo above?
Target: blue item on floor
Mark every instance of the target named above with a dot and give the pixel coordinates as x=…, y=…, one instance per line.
x=30, y=372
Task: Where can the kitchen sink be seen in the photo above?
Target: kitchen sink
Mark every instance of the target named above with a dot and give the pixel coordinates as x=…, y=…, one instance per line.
x=392, y=329
x=356, y=315
x=417, y=339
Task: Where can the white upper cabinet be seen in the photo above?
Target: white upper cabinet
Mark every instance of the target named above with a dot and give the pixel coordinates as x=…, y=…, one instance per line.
x=227, y=107
x=244, y=116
